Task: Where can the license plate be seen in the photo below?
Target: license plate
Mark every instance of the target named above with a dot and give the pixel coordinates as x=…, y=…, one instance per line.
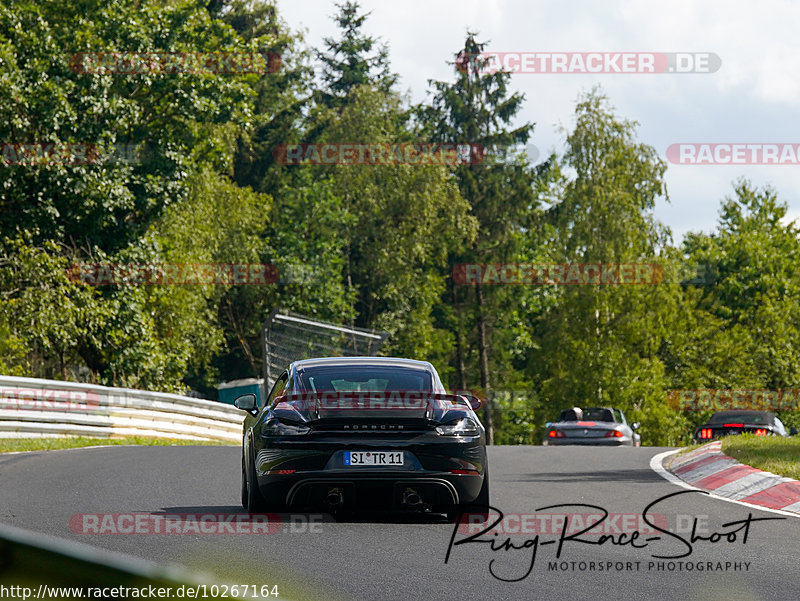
x=373, y=458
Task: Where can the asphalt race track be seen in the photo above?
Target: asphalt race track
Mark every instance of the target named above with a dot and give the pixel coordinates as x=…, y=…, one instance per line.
x=397, y=557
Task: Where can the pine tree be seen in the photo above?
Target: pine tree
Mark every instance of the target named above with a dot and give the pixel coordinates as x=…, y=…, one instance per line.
x=477, y=110
x=354, y=59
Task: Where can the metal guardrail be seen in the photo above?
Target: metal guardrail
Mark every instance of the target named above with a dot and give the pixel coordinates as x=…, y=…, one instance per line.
x=32, y=407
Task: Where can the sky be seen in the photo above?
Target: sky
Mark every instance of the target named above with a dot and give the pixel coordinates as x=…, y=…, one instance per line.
x=752, y=98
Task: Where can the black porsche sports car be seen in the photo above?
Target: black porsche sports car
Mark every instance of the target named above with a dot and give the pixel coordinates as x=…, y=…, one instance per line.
x=731, y=422
x=603, y=426
x=358, y=433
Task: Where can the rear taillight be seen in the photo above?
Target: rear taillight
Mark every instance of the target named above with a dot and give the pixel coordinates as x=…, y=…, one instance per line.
x=613, y=434
x=460, y=427
x=761, y=432
x=556, y=434
x=706, y=433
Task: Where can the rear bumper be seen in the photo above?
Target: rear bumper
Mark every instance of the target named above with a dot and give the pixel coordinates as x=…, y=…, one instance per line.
x=584, y=442
x=318, y=468
x=371, y=490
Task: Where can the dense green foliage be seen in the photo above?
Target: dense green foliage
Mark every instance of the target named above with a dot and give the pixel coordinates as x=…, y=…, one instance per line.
x=366, y=245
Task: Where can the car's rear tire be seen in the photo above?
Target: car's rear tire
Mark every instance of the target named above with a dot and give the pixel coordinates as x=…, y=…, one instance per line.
x=255, y=501
x=245, y=500
x=477, y=509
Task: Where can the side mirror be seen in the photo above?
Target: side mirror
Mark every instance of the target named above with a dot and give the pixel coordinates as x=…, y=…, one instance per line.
x=792, y=431
x=246, y=402
x=635, y=426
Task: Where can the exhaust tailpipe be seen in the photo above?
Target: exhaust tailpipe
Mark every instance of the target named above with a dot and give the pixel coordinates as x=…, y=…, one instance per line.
x=335, y=497
x=411, y=498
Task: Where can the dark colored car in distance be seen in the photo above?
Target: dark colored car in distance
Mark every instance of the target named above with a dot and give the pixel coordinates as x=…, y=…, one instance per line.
x=733, y=422
x=603, y=426
x=363, y=433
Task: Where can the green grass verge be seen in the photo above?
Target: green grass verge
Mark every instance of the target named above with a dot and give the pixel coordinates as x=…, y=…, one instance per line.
x=8, y=445
x=769, y=453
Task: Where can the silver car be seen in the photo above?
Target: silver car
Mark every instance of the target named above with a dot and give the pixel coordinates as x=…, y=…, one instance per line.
x=603, y=426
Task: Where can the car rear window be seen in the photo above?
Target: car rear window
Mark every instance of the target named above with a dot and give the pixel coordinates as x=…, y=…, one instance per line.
x=364, y=377
x=740, y=417
x=591, y=415
x=598, y=415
